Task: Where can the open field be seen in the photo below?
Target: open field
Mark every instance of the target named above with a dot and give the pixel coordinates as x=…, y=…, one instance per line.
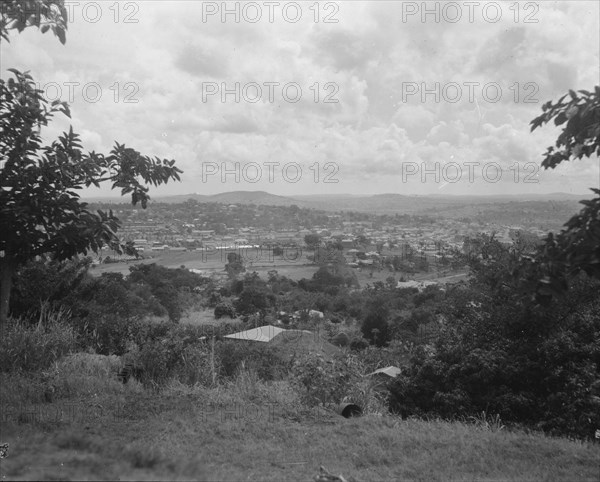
x=206, y=317
x=296, y=270
x=250, y=430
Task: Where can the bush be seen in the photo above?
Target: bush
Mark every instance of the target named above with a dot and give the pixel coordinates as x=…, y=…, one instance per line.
x=321, y=381
x=195, y=366
x=358, y=344
x=111, y=293
x=224, y=309
x=156, y=363
x=341, y=339
x=168, y=352
x=46, y=280
x=106, y=334
x=170, y=298
x=375, y=327
x=265, y=360
x=28, y=347
x=214, y=298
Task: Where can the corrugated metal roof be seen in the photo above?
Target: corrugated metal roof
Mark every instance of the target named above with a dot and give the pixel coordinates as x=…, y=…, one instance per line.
x=390, y=371
x=262, y=333
x=267, y=333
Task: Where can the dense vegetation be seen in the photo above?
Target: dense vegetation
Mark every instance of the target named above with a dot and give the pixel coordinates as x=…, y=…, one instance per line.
x=482, y=346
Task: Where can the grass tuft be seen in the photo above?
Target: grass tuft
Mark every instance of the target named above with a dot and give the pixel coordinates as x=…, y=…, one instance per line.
x=27, y=345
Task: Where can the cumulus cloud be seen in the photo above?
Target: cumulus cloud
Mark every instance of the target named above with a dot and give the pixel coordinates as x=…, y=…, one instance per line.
x=378, y=89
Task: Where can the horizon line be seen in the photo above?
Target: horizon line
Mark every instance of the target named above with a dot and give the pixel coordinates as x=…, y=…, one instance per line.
x=555, y=193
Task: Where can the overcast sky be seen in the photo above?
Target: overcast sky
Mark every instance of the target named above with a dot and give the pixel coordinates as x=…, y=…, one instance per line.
x=370, y=96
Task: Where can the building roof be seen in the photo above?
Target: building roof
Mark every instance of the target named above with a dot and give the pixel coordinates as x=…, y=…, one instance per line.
x=390, y=371
x=291, y=342
x=263, y=333
x=420, y=285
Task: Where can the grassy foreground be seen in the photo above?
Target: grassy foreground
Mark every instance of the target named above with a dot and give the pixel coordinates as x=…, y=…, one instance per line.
x=95, y=428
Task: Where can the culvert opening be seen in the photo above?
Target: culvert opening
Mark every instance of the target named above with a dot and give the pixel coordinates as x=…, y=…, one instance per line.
x=349, y=410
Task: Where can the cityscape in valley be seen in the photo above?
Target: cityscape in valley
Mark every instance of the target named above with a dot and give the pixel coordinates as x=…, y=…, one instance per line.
x=422, y=235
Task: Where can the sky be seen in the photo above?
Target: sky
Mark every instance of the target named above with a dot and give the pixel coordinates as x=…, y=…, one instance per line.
x=360, y=97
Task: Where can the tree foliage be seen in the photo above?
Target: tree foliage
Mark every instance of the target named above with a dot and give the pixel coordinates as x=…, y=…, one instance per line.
x=235, y=265
x=375, y=326
x=579, y=112
x=577, y=247
x=522, y=340
x=41, y=212
x=501, y=352
x=43, y=14
x=312, y=240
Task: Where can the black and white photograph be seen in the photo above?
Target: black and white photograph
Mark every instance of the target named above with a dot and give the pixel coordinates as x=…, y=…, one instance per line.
x=311, y=240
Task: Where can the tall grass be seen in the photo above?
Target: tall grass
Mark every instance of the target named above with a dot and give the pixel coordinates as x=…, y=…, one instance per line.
x=28, y=344
x=84, y=379
x=368, y=396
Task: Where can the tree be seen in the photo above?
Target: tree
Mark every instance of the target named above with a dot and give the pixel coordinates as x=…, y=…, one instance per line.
x=224, y=309
x=312, y=241
x=375, y=326
x=40, y=282
x=254, y=299
x=362, y=240
x=501, y=352
x=508, y=345
x=41, y=212
x=235, y=265
x=336, y=244
x=577, y=247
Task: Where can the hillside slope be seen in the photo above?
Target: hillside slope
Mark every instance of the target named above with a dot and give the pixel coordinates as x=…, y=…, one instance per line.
x=255, y=431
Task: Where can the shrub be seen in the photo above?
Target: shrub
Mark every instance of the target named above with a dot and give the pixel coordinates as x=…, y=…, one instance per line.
x=321, y=381
x=341, y=339
x=46, y=280
x=224, y=309
x=195, y=366
x=105, y=334
x=111, y=293
x=155, y=359
x=170, y=298
x=358, y=344
x=265, y=360
x=214, y=298
x=169, y=352
x=375, y=327
x=28, y=347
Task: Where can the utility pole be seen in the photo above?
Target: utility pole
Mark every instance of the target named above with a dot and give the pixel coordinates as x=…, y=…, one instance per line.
x=212, y=360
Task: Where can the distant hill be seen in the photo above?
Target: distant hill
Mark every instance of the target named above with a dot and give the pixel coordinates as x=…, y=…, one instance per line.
x=234, y=197
x=252, y=197
x=560, y=205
